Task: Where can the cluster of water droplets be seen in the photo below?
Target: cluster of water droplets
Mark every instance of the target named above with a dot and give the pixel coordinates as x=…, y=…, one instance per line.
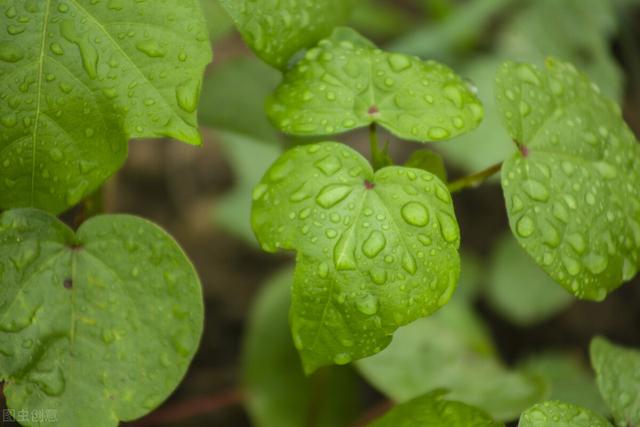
x=383, y=246
x=573, y=192
x=87, y=76
x=414, y=99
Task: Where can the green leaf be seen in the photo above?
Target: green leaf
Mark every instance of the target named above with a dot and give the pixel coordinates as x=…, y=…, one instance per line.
x=79, y=78
x=429, y=161
x=559, y=414
x=432, y=410
x=573, y=189
x=341, y=85
x=568, y=379
x=617, y=377
x=218, y=22
x=528, y=37
x=233, y=97
x=451, y=350
x=375, y=250
x=278, y=392
x=249, y=159
x=98, y=325
x=489, y=143
x=519, y=290
x=276, y=30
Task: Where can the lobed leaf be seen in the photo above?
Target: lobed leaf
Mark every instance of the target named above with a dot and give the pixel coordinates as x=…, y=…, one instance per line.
x=573, y=189
x=431, y=410
x=277, y=29
x=97, y=326
x=375, y=250
x=277, y=391
x=554, y=413
x=346, y=83
x=79, y=78
x=618, y=380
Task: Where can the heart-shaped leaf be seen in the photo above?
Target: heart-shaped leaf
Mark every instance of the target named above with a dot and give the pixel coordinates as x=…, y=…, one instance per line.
x=573, y=189
x=79, y=78
x=433, y=410
x=277, y=29
x=554, y=413
x=344, y=84
x=617, y=377
x=99, y=325
x=375, y=250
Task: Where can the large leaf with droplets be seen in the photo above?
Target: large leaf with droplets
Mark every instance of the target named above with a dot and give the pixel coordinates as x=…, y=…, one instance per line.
x=97, y=326
x=78, y=78
x=277, y=29
x=375, y=250
x=451, y=350
x=554, y=413
x=618, y=377
x=278, y=394
x=345, y=83
x=432, y=410
x=573, y=189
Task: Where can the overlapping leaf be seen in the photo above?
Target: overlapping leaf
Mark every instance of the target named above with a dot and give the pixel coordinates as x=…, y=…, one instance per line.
x=375, y=250
x=519, y=290
x=278, y=392
x=617, y=377
x=79, y=78
x=573, y=189
x=432, y=410
x=451, y=350
x=97, y=326
x=277, y=29
x=559, y=414
x=345, y=83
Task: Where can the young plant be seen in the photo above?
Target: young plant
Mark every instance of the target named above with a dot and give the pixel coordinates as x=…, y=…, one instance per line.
x=376, y=243
x=100, y=324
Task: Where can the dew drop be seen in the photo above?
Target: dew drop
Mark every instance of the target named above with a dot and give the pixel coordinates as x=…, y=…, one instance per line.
x=414, y=213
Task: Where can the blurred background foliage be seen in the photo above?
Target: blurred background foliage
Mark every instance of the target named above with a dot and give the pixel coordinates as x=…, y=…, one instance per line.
x=510, y=337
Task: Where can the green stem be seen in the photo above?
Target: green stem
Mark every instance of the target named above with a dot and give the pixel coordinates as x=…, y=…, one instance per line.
x=379, y=158
x=474, y=180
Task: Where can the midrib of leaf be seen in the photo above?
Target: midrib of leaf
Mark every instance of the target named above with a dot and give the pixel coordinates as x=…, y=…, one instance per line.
x=36, y=123
x=332, y=288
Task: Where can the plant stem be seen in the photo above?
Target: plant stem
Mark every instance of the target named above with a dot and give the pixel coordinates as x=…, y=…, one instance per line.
x=474, y=180
x=379, y=158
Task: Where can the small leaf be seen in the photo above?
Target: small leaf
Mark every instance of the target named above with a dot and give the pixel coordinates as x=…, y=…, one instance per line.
x=341, y=85
x=432, y=410
x=519, y=290
x=617, y=377
x=233, y=97
x=454, y=351
x=99, y=325
x=569, y=381
x=79, y=79
x=559, y=414
x=429, y=161
x=573, y=189
x=375, y=250
x=275, y=31
x=278, y=392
